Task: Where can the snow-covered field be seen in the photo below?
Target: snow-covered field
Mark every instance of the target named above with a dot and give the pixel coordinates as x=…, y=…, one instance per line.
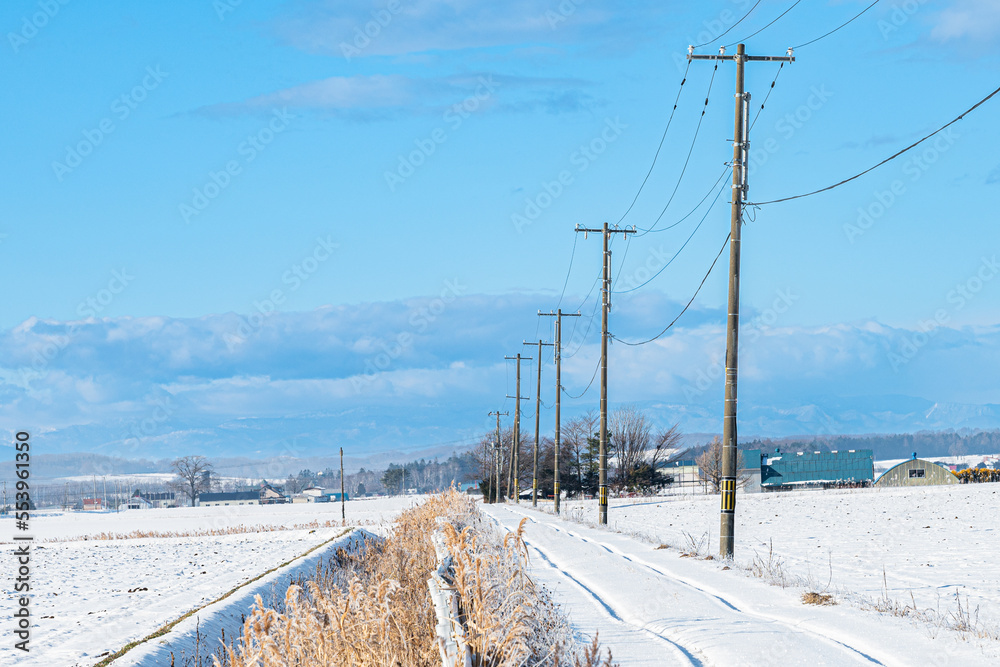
x=651, y=606
x=95, y=596
x=930, y=542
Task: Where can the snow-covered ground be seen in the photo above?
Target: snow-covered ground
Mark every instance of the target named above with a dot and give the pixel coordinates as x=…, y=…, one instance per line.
x=95, y=596
x=651, y=606
x=931, y=543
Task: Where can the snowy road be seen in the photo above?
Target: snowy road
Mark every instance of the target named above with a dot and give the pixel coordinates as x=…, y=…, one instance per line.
x=653, y=608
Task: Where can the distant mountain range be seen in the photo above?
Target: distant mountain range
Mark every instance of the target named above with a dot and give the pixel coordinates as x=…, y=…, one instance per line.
x=313, y=440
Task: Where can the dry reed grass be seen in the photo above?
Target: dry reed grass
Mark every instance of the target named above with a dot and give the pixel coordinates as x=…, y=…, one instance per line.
x=371, y=606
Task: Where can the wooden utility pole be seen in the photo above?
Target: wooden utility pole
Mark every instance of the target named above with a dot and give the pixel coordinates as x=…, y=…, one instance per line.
x=559, y=314
x=516, y=445
x=496, y=456
x=602, y=473
x=343, y=511
x=741, y=149
x=538, y=405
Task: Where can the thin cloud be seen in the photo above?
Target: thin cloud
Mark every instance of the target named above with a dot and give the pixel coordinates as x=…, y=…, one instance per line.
x=359, y=29
x=968, y=20
x=386, y=96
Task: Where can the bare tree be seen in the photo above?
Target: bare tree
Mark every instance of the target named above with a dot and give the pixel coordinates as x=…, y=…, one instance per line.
x=710, y=467
x=629, y=436
x=575, y=436
x=194, y=474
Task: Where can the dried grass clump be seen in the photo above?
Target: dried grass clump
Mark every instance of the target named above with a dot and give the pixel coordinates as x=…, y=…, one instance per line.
x=207, y=532
x=371, y=606
x=818, y=599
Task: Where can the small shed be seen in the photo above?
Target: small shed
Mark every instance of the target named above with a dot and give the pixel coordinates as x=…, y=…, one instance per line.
x=916, y=472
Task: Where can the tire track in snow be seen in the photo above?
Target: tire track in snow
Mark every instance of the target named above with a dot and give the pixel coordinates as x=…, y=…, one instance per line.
x=611, y=612
x=711, y=594
x=713, y=597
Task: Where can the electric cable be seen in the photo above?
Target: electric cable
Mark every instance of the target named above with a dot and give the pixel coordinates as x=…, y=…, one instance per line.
x=679, y=250
x=674, y=321
x=698, y=46
x=589, y=385
x=708, y=194
x=843, y=25
x=768, y=96
x=888, y=159
x=687, y=160
x=765, y=27
x=660, y=147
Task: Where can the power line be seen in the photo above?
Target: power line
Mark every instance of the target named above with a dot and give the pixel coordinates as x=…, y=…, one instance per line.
x=768, y=96
x=590, y=324
x=589, y=384
x=569, y=271
x=692, y=211
x=888, y=159
x=702, y=284
x=843, y=25
x=660, y=147
x=698, y=46
x=687, y=160
x=741, y=41
x=679, y=250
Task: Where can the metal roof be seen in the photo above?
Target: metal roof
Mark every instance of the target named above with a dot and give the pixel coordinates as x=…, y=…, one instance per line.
x=817, y=467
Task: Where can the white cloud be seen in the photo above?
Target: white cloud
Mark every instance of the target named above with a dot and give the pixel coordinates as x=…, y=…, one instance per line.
x=968, y=20
x=113, y=377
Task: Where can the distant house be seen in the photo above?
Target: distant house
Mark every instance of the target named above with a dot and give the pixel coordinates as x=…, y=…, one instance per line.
x=916, y=472
x=232, y=498
x=797, y=470
x=92, y=505
x=270, y=495
x=334, y=497
x=685, y=473
x=141, y=500
x=136, y=503
x=314, y=494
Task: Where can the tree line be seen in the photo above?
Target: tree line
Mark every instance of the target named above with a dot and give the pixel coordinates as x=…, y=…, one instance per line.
x=638, y=453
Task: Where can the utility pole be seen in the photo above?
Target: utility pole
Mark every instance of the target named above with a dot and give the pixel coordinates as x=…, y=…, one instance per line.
x=741, y=150
x=343, y=512
x=538, y=405
x=559, y=314
x=602, y=473
x=516, y=445
x=496, y=456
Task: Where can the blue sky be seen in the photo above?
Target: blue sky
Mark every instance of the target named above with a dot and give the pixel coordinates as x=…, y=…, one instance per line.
x=252, y=201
